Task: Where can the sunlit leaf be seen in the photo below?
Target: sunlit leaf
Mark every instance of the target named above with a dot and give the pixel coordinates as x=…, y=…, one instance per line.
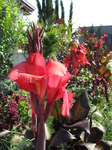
x=107, y=74
x=87, y=146
x=106, y=48
x=92, y=55
x=103, y=60
x=107, y=60
x=80, y=108
x=99, y=59
x=98, y=125
x=102, y=70
x=61, y=136
x=83, y=125
x=96, y=135
x=22, y=144
x=88, y=51
x=4, y=133
x=104, y=145
x=56, y=111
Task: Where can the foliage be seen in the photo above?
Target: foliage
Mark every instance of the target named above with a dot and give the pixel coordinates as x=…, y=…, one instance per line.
x=57, y=9
x=71, y=11
x=46, y=12
x=98, y=31
x=48, y=15
x=11, y=29
x=88, y=81
x=89, y=124
x=52, y=41
x=77, y=131
x=105, y=118
x=12, y=140
x=40, y=11
x=92, y=30
x=15, y=116
x=14, y=111
x=98, y=54
x=62, y=10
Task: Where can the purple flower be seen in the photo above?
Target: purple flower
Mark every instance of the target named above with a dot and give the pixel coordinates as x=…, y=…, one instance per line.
x=4, y=98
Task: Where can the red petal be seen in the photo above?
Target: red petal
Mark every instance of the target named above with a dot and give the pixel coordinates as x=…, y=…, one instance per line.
x=55, y=67
x=36, y=59
x=65, y=79
x=29, y=82
x=65, y=106
x=67, y=103
x=41, y=87
x=70, y=97
x=53, y=86
x=35, y=70
x=14, y=73
x=60, y=93
x=26, y=86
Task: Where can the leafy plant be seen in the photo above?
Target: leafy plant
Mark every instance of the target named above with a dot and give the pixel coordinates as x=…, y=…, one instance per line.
x=11, y=29
x=52, y=40
x=97, y=54
x=77, y=131
x=14, y=111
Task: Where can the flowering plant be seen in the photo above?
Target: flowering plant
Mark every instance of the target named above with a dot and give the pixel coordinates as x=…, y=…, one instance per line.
x=49, y=80
x=14, y=113
x=40, y=79
x=76, y=58
x=97, y=54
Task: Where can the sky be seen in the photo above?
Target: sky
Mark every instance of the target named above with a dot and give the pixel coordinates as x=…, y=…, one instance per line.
x=85, y=12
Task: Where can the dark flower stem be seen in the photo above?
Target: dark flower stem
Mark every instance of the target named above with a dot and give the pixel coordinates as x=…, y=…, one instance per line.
x=35, y=45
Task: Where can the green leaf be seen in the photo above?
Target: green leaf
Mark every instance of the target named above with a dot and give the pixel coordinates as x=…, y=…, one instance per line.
x=69, y=35
x=23, y=103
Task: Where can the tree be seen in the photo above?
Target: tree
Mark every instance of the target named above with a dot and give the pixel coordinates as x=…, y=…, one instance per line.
x=47, y=14
x=57, y=9
x=40, y=16
x=70, y=15
x=62, y=10
x=49, y=8
x=92, y=30
x=71, y=11
x=45, y=11
x=99, y=31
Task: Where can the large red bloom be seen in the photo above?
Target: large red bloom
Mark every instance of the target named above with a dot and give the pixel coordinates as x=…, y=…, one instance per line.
x=31, y=75
x=34, y=76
